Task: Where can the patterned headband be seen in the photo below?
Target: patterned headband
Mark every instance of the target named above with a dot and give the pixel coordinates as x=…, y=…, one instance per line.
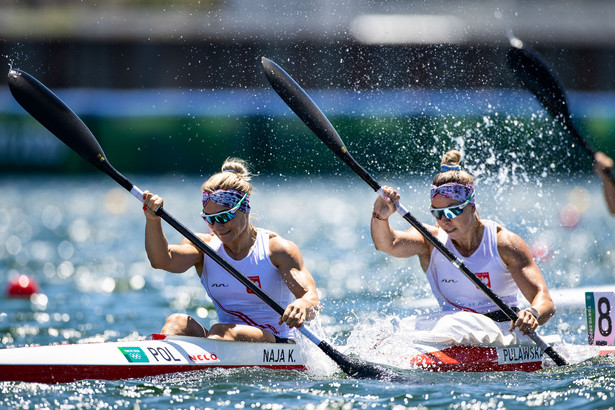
x=454, y=190
x=228, y=198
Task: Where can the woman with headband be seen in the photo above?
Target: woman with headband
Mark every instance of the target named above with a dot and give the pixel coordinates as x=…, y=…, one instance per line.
x=270, y=261
x=496, y=255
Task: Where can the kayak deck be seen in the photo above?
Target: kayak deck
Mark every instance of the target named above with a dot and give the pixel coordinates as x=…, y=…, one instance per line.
x=136, y=359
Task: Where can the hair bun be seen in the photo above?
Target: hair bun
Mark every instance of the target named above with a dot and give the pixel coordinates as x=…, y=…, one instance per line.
x=236, y=166
x=451, y=161
x=446, y=167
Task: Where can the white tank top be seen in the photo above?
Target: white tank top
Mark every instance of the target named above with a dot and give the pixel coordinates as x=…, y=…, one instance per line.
x=454, y=291
x=233, y=301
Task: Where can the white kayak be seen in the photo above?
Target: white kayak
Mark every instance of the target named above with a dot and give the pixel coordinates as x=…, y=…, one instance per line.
x=171, y=354
x=440, y=342
x=135, y=359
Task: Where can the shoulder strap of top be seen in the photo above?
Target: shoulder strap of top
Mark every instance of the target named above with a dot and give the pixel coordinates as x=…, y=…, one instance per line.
x=215, y=243
x=491, y=230
x=442, y=236
x=262, y=240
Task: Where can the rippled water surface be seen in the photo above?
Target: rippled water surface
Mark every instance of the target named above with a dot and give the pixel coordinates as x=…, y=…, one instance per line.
x=81, y=238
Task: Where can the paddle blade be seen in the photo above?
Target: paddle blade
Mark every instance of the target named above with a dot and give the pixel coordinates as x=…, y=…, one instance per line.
x=54, y=115
x=307, y=110
x=359, y=369
x=40, y=102
x=534, y=73
x=298, y=101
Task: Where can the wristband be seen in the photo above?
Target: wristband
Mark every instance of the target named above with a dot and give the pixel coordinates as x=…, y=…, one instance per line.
x=534, y=312
x=378, y=217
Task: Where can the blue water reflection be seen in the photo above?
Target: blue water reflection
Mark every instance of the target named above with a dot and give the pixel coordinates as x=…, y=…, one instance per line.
x=81, y=238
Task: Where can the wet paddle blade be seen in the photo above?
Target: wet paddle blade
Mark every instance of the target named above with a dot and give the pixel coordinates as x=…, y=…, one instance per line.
x=359, y=369
x=302, y=105
x=307, y=110
x=536, y=75
x=40, y=102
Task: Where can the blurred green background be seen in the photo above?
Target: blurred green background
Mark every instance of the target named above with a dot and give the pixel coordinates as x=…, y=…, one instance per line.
x=176, y=87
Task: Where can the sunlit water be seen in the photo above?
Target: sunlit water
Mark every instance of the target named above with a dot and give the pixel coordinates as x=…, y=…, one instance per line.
x=81, y=238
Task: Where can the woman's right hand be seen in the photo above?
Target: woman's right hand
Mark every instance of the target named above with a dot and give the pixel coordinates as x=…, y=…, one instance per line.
x=385, y=207
x=151, y=203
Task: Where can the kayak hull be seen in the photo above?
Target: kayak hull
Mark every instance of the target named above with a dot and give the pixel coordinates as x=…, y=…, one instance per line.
x=161, y=355
x=59, y=373
x=136, y=359
x=522, y=358
x=477, y=359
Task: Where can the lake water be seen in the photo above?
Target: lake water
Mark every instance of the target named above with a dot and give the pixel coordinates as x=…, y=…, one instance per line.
x=81, y=238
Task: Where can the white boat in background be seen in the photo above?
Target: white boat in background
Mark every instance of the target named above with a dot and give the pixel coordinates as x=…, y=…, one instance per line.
x=564, y=298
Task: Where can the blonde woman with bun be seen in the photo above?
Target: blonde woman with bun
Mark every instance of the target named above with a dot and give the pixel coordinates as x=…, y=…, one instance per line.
x=500, y=258
x=270, y=261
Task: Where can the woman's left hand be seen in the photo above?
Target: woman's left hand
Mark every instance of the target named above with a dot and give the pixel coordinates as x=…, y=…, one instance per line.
x=526, y=322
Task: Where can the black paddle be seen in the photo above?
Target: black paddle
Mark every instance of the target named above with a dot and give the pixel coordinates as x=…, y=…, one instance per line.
x=54, y=115
x=298, y=101
x=536, y=75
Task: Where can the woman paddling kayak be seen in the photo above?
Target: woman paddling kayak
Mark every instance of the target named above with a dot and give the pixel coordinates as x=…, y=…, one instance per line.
x=500, y=258
x=272, y=262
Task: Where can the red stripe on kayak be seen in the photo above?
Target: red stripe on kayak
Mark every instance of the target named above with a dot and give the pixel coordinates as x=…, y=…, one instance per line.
x=607, y=351
x=63, y=373
x=468, y=359
x=483, y=367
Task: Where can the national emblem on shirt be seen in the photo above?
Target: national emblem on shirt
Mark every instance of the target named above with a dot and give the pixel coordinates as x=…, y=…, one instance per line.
x=484, y=277
x=256, y=280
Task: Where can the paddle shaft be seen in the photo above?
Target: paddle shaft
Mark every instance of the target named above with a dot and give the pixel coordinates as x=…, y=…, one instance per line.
x=535, y=74
x=54, y=115
x=298, y=100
